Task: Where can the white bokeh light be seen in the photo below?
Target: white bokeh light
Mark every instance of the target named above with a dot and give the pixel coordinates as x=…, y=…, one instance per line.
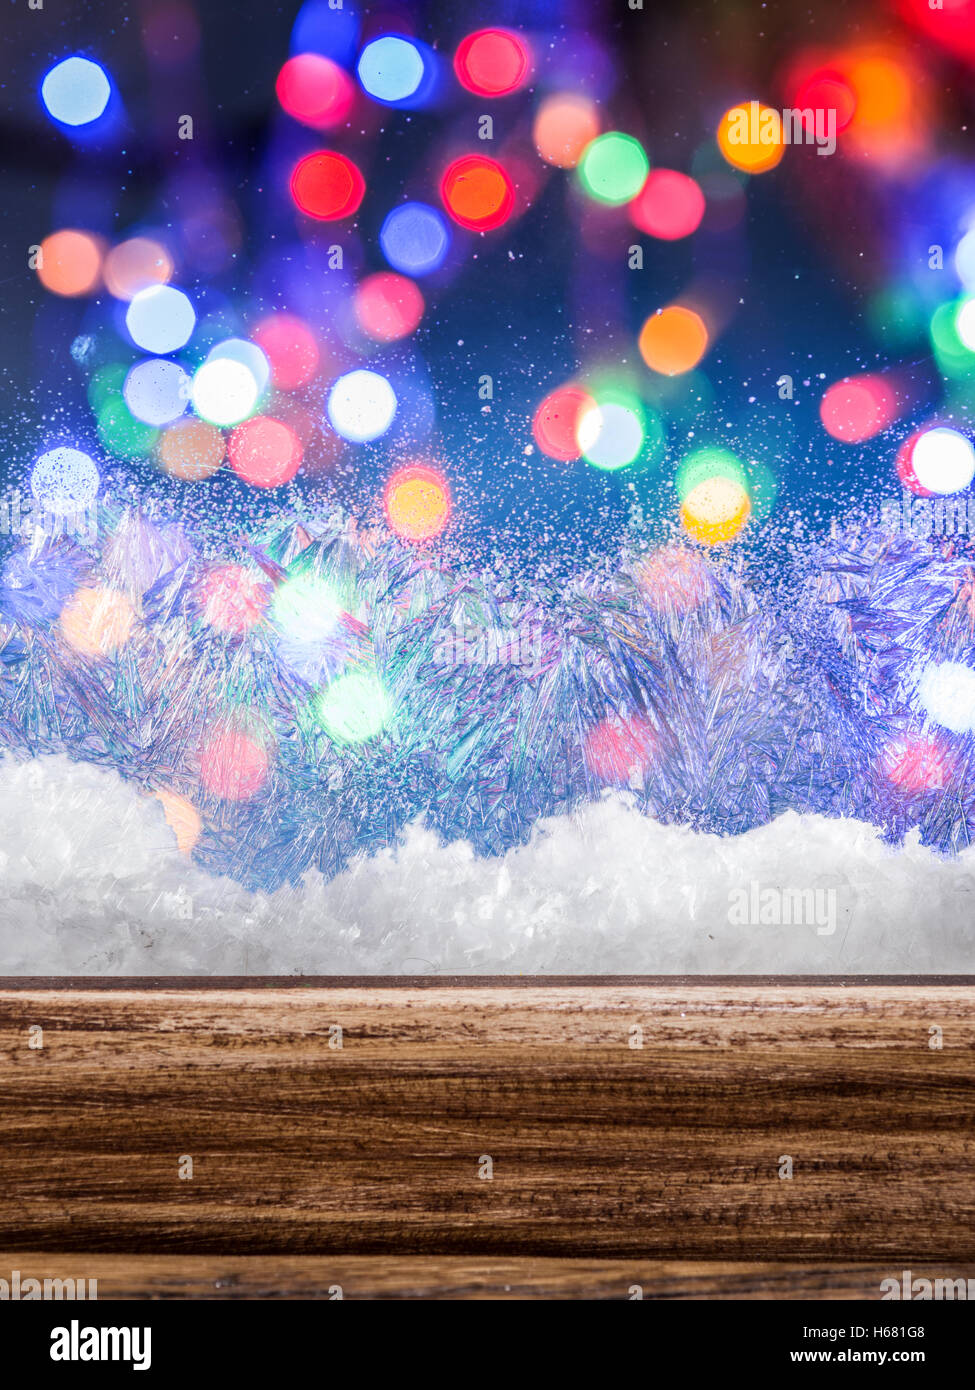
x=224, y=391
x=160, y=319
x=610, y=435
x=64, y=481
x=947, y=692
x=157, y=392
x=361, y=406
x=943, y=461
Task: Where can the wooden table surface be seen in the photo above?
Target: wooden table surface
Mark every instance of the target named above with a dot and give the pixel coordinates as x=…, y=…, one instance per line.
x=488, y=1139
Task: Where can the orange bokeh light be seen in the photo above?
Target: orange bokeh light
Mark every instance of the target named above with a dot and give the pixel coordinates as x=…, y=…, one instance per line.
x=477, y=193
x=97, y=621
x=136, y=264
x=70, y=263
x=191, y=450
x=750, y=137
x=564, y=126
x=674, y=340
x=182, y=817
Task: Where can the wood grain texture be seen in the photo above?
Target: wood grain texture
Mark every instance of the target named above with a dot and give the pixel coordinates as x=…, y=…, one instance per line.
x=599, y=1151
x=262, y=1277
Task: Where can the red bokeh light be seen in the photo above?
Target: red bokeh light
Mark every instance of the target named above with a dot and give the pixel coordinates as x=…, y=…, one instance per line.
x=477, y=193
x=290, y=347
x=905, y=466
x=916, y=763
x=327, y=186
x=670, y=205
x=388, y=306
x=233, y=763
x=617, y=746
x=858, y=408
x=233, y=599
x=315, y=91
x=827, y=90
x=492, y=62
x=264, y=452
x=556, y=422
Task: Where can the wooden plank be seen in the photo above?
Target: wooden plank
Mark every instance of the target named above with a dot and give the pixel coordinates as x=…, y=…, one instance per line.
x=599, y=1150
x=235, y=1277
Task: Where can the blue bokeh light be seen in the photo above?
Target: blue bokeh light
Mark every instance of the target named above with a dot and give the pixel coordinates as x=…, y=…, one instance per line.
x=415, y=239
x=391, y=69
x=76, y=91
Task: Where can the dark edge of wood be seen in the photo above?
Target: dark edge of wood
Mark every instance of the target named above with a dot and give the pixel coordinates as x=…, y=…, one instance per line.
x=371, y=982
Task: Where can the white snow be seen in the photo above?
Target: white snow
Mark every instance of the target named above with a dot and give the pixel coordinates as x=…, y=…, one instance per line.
x=93, y=884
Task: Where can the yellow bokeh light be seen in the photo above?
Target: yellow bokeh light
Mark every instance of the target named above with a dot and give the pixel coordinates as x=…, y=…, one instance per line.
x=750, y=137
x=716, y=510
x=97, y=621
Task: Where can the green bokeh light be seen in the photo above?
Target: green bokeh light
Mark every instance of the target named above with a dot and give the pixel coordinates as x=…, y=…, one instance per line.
x=121, y=433
x=613, y=168
x=353, y=708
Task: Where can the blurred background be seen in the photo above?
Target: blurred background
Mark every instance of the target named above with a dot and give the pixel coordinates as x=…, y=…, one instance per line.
x=514, y=309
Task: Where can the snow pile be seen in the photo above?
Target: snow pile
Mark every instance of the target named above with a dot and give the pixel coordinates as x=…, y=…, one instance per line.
x=94, y=884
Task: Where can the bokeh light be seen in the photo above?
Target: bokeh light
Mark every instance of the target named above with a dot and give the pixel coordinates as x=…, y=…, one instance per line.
x=305, y=610
x=750, y=137
x=64, y=481
x=315, y=90
x=613, y=168
x=673, y=579
x=673, y=340
x=965, y=322
x=290, y=347
x=265, y=452
x=415, y=239
x=327, y=186
x=669, y=206
x=557, y=420
x=492, y=62
x=858, y=408
x=391, y=68
x=353, y=708
x=417, y=502
x=716, y=510
x=904, y=466
x=943, y=461
x=160, y=319
x=827, y=89
x=388, y=306
x=121, y=433
x=916, y=764
x=191, y=450
x=97, y=621
x=234, y=761
x=224, y=391
x=136, y=265
x=157, y=391
x=619, y=749
x=946, y=690
x=70, y=263
x=76, y=91
x=182, y=817
x=565, y=124
x=361, y=406
x=477, y=192
x=965, y=260
x=248, y=354
x=233, y=599
x=611, y=431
